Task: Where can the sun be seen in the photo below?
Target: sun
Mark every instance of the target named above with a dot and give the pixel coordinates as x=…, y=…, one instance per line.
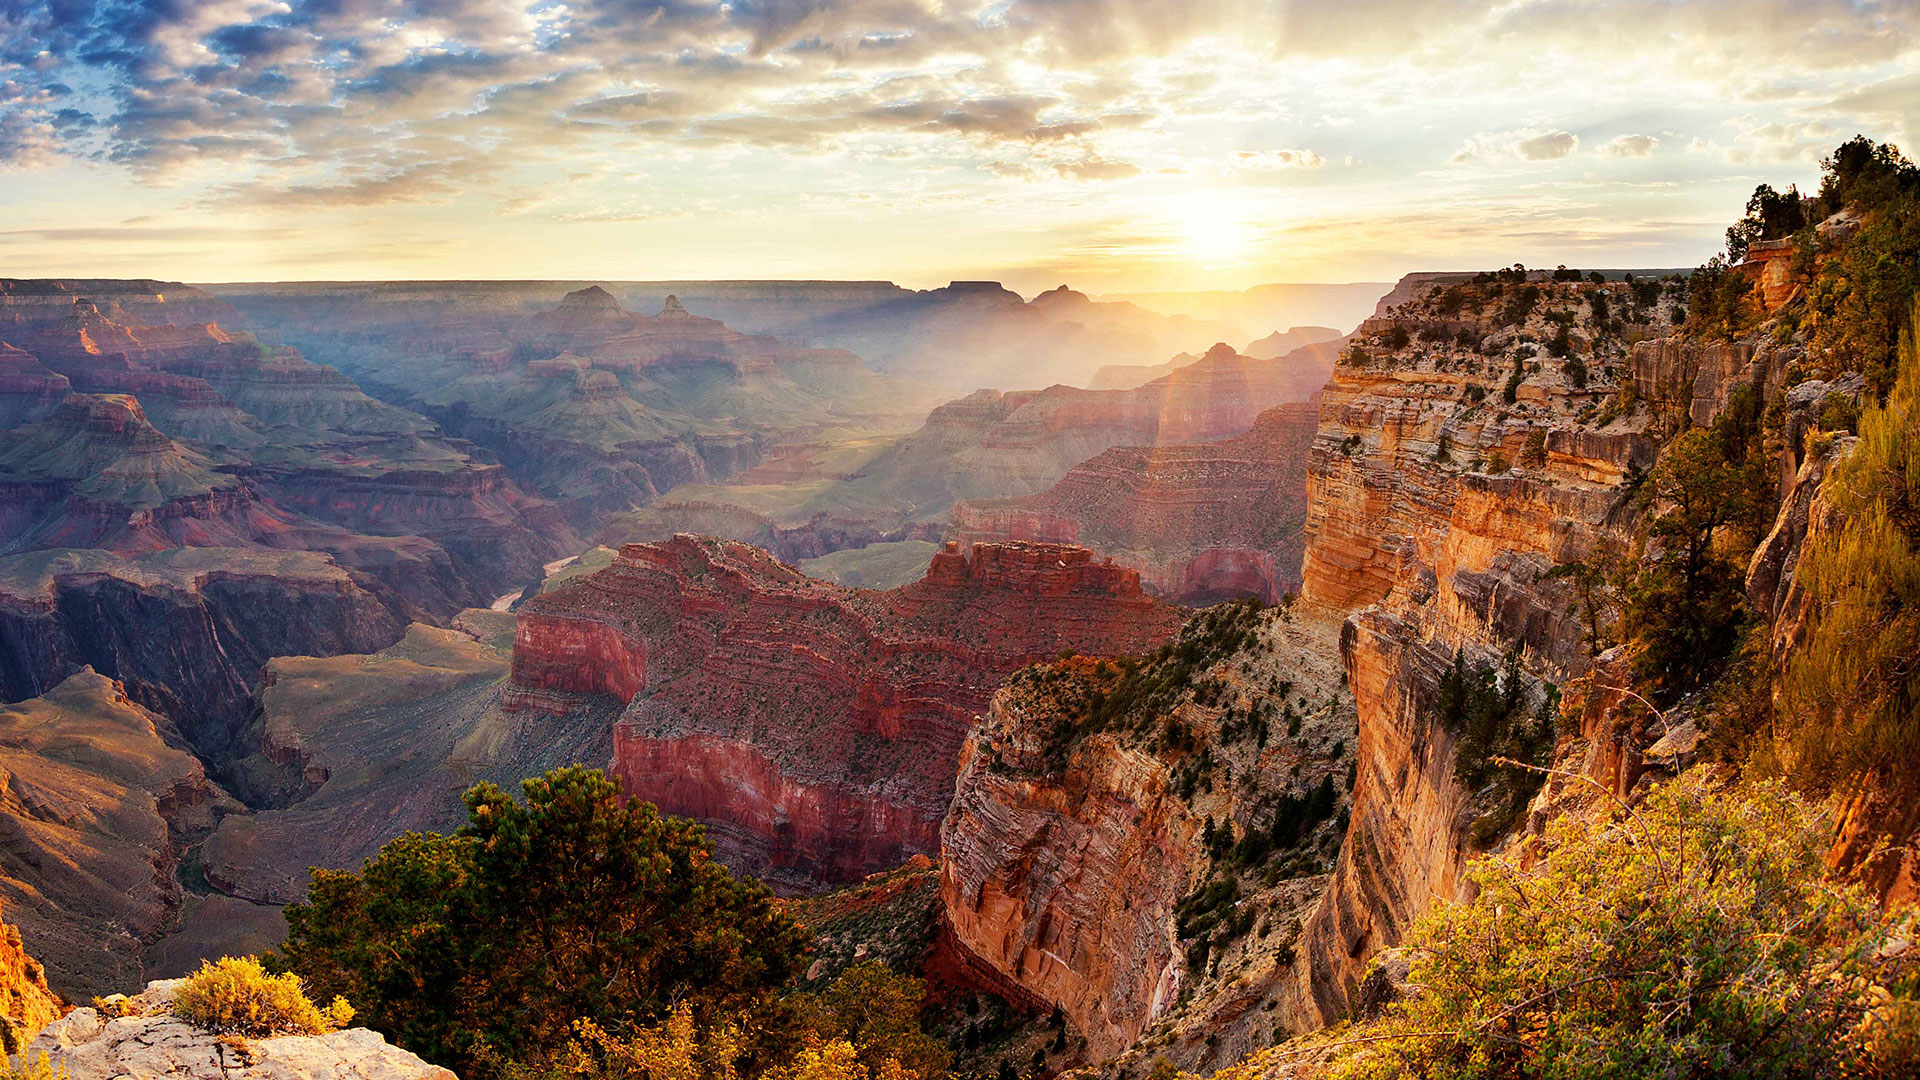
x=1213, y=228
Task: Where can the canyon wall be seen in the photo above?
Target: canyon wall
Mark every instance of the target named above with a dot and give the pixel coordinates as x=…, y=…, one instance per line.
x=1468, y=444
x=1439, y=499
x=814, y=728
x=1138, y=847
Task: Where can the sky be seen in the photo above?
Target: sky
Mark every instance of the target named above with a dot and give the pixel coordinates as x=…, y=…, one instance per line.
x=1117, y=145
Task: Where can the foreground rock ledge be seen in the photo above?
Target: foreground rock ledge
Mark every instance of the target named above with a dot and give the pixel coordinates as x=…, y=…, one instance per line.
x=151, y=1042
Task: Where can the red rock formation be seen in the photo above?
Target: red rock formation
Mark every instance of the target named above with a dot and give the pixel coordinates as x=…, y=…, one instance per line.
x=1201, y=523
x=1065, y=857
x=815, y=727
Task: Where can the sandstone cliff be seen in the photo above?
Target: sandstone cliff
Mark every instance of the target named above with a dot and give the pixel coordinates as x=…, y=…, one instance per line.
x=1478, y=434
x=1137, y=843
x=814, y=728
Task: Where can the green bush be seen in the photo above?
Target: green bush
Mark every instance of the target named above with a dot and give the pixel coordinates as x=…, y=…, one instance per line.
x=236, y=996
x=481, y=951
x=1694, y=936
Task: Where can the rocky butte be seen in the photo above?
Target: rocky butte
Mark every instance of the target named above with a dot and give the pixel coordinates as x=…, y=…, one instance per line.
x=1202, y=522
x=814, y=728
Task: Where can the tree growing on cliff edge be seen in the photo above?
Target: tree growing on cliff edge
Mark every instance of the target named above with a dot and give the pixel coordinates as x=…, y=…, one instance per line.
x=1684, y=608
x=482, y=950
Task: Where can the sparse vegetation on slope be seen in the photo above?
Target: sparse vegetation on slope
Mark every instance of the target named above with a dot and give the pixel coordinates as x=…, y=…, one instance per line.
x=1693, y=935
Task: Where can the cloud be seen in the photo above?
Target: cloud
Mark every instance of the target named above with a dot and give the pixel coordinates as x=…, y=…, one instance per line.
x=1554, y=144
x=1628, y=146
x=1096, y=169
x=1528, y=144
x=1277, y=160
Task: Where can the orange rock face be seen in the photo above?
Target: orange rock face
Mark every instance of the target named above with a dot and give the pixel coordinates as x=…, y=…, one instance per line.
x=815, y=728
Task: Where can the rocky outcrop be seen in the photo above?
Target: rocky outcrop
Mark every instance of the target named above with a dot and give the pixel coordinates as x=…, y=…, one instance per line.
x=148, y=1042
x=814, y=728
x=1202, y=522
x=1113, y=853
x=95, y=807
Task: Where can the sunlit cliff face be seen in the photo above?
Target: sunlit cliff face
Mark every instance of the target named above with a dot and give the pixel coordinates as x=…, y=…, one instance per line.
x=1121, y=144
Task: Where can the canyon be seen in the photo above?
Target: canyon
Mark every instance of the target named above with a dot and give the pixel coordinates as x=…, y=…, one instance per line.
x=813, y=728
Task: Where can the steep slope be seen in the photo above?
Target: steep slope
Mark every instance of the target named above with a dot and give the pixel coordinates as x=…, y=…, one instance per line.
x=96, y=807
x=1201, y=523
x=814, y=728
x=186, y=630
x=1473, y=439
x=1137, y=843
x=27, y=1003
x=383, y=743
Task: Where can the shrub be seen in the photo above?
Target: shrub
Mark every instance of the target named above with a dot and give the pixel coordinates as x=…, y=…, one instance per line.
x=237, y=997
x=1696, y=935
x=1853, y=687
x=40, y=1068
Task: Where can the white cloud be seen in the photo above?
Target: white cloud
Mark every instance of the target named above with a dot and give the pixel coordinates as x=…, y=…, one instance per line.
x=1629, y=146
x=1277, y=160
x=1554, y=144
x=1528, y=144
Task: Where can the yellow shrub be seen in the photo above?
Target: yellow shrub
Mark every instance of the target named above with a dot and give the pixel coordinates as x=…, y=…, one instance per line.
x=41, y=1068
x=237, y=996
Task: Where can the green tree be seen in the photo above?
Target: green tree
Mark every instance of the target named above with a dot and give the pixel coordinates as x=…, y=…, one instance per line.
x=876, y=1010
x=485, y=948
x=1684, y=608
x=1771, y=215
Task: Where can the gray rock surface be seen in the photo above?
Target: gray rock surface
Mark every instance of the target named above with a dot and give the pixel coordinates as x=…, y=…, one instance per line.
x=150, y=1042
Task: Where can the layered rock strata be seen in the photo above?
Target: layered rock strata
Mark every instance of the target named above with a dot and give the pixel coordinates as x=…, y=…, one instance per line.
x=814, y=728
x=96, y=807
x=1138, y=847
